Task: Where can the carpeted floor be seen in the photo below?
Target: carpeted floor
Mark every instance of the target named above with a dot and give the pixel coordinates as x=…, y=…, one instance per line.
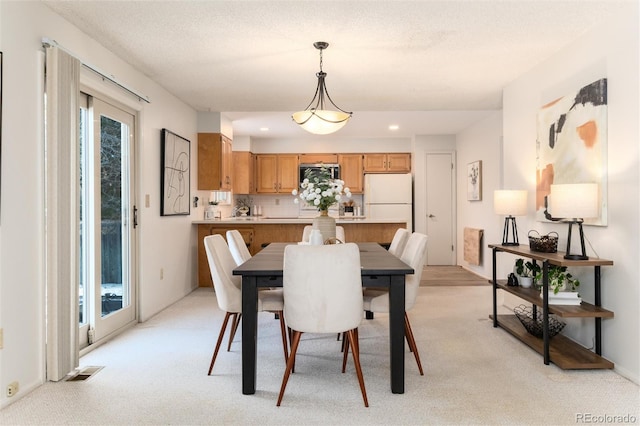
x=450, y=276
x=155, y=374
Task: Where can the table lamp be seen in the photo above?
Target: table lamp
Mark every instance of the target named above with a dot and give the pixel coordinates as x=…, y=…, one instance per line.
x=573, y=203
x=510, y=203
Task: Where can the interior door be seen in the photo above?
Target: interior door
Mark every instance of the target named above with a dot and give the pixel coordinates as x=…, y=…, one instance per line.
x=107, y=234
x=440, y=209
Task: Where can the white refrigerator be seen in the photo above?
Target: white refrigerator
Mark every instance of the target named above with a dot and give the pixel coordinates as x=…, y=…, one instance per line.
x=389, y=196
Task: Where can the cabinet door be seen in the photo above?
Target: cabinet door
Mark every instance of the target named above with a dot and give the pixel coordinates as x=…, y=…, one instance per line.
x=351, y=166
x=318, y=158
x=288, y=172
x=376, y=163
x=227, y=163
x=399, y=162
x=242, y=176
x=266, y=173
x=209, y=161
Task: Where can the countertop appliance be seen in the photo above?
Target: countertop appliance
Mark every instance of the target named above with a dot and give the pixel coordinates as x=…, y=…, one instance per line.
x=389, y=196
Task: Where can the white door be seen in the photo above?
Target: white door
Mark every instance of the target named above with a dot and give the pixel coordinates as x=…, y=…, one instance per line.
x=107, y=234
x=440, y=209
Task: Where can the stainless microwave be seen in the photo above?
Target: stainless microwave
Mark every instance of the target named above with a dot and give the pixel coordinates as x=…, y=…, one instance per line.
x=334, y=169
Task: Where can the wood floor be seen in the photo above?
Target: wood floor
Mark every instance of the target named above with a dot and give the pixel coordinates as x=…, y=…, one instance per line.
x=450, y=276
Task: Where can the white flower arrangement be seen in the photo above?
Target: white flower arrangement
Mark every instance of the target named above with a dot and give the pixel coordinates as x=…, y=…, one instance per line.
x=319, y=190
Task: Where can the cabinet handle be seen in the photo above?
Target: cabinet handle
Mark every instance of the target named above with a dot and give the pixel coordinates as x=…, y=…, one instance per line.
x=275, y=186
x=280, y=186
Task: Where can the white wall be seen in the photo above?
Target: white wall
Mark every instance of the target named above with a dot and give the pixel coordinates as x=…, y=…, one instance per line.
x=481, y=141
x=610, y=51
x=166, y=242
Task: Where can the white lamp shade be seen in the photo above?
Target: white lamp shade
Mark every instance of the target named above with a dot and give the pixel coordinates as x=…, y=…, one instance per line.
x=510, y=202
x=575, y=200
x=321, y=122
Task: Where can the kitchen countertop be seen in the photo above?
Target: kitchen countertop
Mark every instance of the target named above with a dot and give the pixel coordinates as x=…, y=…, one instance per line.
x=267, y=220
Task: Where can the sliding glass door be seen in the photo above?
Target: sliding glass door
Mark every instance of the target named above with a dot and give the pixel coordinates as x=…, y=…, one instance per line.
x=107, y=297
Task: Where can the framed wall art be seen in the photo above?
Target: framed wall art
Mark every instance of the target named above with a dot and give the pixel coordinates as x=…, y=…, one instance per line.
x=571, y=145
x=474, y=181
x=176, y=170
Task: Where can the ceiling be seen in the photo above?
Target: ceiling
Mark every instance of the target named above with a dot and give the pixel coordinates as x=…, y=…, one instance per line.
x=431, y=67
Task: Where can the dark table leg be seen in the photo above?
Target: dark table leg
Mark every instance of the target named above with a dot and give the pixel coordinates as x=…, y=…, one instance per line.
x=249, y=333
x=396, y=332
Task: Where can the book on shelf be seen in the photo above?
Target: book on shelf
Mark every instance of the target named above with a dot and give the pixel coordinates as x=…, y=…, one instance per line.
x=564, y=298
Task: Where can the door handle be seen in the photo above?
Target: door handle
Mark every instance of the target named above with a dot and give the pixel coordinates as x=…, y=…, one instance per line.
x=431, y=216
x=135, y=217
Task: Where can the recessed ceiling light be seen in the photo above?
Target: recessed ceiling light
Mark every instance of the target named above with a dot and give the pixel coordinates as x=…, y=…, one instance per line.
x=264, y=129
x=394, y=127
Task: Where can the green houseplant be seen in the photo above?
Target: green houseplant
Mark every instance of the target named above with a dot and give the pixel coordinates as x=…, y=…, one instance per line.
x=526, y=271
x=559, y=279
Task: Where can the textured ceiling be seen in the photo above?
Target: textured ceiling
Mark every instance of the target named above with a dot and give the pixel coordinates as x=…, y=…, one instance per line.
x=434, y=65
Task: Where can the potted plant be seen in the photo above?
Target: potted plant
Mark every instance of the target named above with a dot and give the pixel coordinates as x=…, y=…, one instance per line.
x=559, y=279
x=526, y=272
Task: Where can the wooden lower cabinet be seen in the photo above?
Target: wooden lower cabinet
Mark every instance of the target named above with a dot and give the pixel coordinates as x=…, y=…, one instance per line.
x=258, y=235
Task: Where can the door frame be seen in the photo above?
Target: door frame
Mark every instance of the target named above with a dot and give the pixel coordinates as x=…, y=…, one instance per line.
x=94, y=86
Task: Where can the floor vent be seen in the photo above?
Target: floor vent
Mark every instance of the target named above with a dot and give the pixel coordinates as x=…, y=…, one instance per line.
x=83, y=374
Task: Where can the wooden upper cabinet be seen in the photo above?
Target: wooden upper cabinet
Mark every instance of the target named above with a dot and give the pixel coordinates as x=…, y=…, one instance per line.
x=399, y=162
x=243, y=172
x=318, y=158
x=276, y=173
x=215, y=162
x=387, y=163
x=289, y=173
x=351, y=167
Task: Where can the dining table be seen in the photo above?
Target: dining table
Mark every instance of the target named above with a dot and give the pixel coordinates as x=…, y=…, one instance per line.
x=380, y=269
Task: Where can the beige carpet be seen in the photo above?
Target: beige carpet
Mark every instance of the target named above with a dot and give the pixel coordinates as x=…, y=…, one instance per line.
x=450, y=276
x=156, y=374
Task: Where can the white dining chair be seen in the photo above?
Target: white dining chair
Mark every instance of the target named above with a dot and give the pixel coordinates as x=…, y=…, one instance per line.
x=323, y=294
x=238, y=247
x=377, y=300
x=399, y=241
x=229, y=295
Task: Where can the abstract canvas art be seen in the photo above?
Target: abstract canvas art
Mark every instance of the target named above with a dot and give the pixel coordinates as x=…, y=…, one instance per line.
x=175, y=184
x=572, y=145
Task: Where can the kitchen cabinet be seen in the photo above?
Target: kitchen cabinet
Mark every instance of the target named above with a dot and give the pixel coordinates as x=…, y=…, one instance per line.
x=215, y=162
x=243, y=172
x=318, y=158
x=399, y=162
x=351, y=171
x=562, y=351
x=259, y=233
x=276, y=173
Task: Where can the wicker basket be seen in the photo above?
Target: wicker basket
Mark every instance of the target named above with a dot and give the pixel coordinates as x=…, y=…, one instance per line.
x=543, y=243
x=534, y=325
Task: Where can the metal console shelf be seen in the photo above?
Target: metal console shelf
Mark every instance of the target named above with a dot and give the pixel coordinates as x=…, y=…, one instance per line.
x=563, y=352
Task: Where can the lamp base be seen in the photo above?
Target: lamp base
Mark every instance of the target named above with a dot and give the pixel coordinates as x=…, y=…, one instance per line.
x=582, y=255
x=575, y=257
x=510, y=223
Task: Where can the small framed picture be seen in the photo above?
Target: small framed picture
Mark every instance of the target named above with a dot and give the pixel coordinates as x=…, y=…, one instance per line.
x=474, y=181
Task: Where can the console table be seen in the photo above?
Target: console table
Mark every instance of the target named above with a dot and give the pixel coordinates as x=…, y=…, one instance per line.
x=560, y=350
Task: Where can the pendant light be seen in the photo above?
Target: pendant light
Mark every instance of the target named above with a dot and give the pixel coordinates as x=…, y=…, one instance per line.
x=315, y=118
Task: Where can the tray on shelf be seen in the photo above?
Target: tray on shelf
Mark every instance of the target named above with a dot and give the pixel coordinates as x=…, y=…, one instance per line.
x=534, y=325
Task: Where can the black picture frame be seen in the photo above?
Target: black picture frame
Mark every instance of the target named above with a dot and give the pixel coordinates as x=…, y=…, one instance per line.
x=175, y=184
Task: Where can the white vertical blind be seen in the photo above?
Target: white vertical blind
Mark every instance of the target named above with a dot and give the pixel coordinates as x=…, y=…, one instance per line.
x=62, y=84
